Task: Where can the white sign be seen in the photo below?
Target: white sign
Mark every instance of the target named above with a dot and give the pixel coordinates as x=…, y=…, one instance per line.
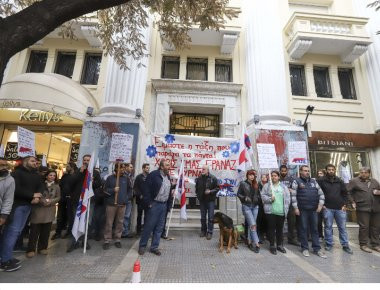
x=121, y=147
x=267, y=156
x=26, y=142
x=297, y=154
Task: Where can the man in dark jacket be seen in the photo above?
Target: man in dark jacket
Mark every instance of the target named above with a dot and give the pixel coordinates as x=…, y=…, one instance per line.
x=365, y=196
x=28, y=188
x=336, y=199
x=287, y=180
x=115, y=209
x=206, y=187
x=128, y=209
x=307, y=201
x=138, y=192
x=156, y=195
x=64, y=209
x=75, y=185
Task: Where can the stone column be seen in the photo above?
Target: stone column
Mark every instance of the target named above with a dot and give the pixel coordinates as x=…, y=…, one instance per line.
x=125, y=89
x=266, y=78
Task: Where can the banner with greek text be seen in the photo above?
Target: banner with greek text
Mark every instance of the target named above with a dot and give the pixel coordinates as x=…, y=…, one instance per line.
x=220, y=154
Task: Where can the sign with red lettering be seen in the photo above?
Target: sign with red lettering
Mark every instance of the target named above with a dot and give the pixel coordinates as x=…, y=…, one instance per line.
x=220, y=154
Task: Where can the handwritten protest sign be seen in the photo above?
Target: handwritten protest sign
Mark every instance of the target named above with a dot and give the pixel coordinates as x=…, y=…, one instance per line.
x=267, y=156
x=297, y=154
x=121, y=147
x=220, y=154
x=26, y=142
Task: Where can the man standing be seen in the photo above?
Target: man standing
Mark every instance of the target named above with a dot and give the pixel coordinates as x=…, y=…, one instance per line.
x=287, y=180
x=128, y=208
x=206, y=187
x=365, y=192
x=28, y=188
x=75, y=185
x=308, y=200
x=138, y=192
x=336, y=199
x=115, y=209
x=7, y=190
x=156, y=193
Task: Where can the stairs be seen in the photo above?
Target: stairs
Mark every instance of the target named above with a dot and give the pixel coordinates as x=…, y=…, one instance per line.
x=193, y=220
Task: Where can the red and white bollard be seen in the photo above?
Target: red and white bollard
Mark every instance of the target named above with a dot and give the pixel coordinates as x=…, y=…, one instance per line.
x=136, y=276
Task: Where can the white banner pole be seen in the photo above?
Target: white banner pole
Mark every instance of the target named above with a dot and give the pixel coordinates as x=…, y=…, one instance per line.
x=86, y=232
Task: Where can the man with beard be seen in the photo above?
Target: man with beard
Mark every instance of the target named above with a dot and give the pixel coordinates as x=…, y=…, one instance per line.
x=336, y=198
x=28, y=188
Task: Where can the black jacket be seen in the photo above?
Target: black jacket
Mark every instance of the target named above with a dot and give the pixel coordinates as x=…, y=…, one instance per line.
x=138, y=187
x=204, y=182
x=247, y=194
x=75, y=184
x=335, y=191
x=28, y=182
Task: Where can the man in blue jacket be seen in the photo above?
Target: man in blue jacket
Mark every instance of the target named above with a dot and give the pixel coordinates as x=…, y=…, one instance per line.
x=156, y=196
x=308, y=200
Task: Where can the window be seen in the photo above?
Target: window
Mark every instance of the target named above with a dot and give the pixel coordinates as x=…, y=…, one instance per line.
x=196, y=69
x=91, y=68
x=322, y=82
x=223, y=70
x=65, y=64
x=37, y=61
x=170, y=67
x=346, y=82
x=298, y=80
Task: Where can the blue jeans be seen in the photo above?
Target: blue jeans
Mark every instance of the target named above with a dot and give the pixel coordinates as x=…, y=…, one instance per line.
x=250, y=214
x=309, y=221
x=12, y=231
x=340, y=218
x=127, y=218
x=207, y=210
x=155, y=220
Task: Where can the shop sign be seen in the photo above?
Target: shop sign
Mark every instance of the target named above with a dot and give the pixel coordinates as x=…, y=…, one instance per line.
x=339, y=143
x=74, y=152
x=39, y=116
x=11, y=151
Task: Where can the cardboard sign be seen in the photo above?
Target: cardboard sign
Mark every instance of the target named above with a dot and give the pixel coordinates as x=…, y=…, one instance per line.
x=267, y=156
x=297, y=154
x=121, y=147
x=74, y=152
x=26, y=142
x=11, y=151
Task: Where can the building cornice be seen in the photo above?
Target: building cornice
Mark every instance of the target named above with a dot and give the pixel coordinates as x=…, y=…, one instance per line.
x=170, y=86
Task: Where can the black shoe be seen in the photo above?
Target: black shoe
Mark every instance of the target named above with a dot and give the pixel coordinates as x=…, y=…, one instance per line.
x=88, y=247
x=55, y=236
x=209, y=236
x=72, y=247
x=66, y=235
x=156, y=252
x=257, y=249
x=141, y=251
x=348, y=250
x=98, y=238
x=281, y=249
x=9, y=266
x=118, y=245
x=202, y=234
x=251, y=247
x=273, y=250
x=106, y=246
x=16, y=261
x=294, y=243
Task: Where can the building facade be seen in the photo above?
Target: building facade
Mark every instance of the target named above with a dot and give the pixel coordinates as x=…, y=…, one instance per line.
x=262, y=70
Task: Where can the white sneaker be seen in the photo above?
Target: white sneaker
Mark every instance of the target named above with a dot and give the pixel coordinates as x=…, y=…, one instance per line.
x=321, y=254
x=306, y=253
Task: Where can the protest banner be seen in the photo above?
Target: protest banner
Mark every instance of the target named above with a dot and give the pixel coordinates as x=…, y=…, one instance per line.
x=297, y=153
x=26, y=142
x=220, y=154
x=121, y=147
x=267, y=156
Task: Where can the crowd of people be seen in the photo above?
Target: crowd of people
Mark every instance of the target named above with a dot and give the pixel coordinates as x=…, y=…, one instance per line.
x=29, y=194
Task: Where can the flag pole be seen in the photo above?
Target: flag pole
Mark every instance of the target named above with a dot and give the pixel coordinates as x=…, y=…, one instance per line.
x=86, y=232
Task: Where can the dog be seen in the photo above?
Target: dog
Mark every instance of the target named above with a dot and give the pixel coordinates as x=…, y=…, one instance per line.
x=227, y=231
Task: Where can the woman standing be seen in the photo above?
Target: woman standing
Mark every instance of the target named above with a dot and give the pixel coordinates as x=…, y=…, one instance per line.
x=43, y=214
x=248, y=194
x=276, y=199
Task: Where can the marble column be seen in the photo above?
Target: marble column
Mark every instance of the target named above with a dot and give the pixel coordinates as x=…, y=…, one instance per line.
x=372, y=56
x=125, y=89
x=265, y=76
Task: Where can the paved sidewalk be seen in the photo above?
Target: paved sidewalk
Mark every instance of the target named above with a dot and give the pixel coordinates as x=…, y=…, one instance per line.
x=189, y=258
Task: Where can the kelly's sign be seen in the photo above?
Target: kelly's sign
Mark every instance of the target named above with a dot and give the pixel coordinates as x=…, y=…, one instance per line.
x=39, y=116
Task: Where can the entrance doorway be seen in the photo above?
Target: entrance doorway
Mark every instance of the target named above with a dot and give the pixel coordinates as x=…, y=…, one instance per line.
x=194, y=124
